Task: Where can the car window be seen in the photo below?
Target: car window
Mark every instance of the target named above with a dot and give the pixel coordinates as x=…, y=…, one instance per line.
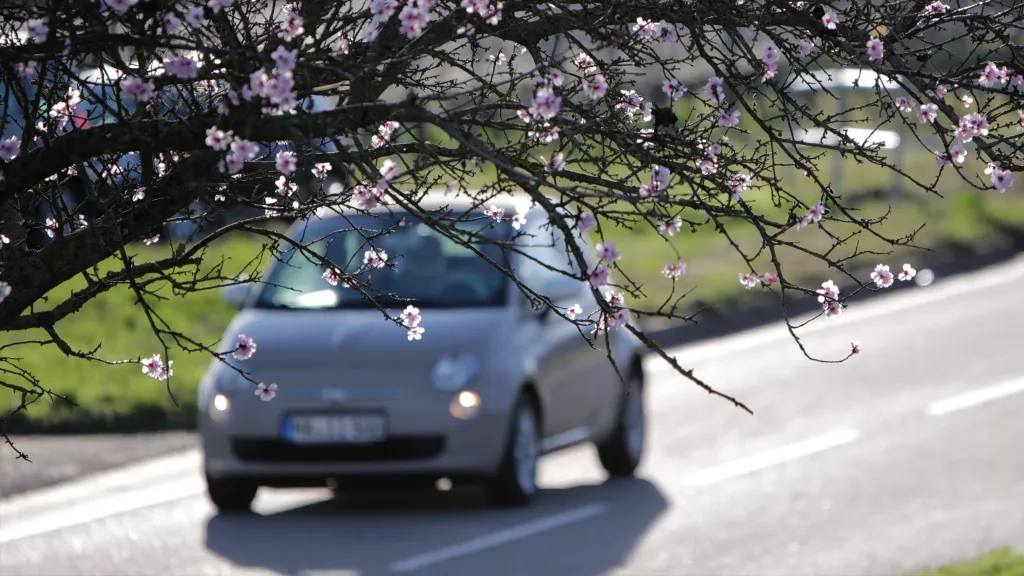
x=430, y=270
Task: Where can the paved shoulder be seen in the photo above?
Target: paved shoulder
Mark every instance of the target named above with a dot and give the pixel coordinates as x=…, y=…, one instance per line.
x=60, y=458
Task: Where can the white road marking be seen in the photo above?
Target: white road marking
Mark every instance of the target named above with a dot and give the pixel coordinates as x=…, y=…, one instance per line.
x=773, y=457
x=998, y=275
x=113, y=482
x=498, y=538
x=91, y=510
x=975, y=397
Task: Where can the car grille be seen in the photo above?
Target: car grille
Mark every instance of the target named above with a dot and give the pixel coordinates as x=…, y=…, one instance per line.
x=397, y=448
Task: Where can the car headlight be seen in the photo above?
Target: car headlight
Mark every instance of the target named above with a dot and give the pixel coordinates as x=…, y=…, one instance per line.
x=454, y=371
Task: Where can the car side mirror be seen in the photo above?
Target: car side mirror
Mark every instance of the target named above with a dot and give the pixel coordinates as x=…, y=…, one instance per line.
x=236, y=294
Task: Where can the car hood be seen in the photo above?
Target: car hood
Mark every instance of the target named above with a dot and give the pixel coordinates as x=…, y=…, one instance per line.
x=357, y=340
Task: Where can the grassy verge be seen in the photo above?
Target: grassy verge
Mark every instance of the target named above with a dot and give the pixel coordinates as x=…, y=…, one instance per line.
x=955, y=226
x=1002, y=562
x=121, y=398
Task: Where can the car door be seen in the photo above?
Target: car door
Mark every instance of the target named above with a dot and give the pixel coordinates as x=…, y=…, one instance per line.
x=566, y=363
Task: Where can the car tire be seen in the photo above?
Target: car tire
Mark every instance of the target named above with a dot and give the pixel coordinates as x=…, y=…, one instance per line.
x=516, y=481
x=621, y=453
x=231, y=494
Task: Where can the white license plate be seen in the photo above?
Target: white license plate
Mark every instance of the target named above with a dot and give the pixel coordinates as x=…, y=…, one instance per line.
x=335, y=429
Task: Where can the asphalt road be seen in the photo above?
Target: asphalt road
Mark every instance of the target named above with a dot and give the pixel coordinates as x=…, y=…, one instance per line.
x=906, y=456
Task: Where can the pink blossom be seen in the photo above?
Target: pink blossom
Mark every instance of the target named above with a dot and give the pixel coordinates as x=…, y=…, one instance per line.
x=340, y=46
x=332, y=276
x=556, y=77
x=904, y=104
x=292, y=26
x=907, y=273
x=927, y=113
x=134, y=88
x=285, y=59
x=37, y=30
x=614, y=298
x=194, y=16
x=51, y=227
x=674, y=271
x=154, y=367
x=181, y=66
x=389, y=170
x=882, y=276
x=670, y=227
x=573, y=311
x=5, y=290
x=673, y=88
x=584, y=62
x=958, y=153
x=557, y=163
x=804, y=47
x=728, y=119
x=4, y=240
x=714, y=90
x=596, y=87
x=218, y=5
x=246, y=347
x=608, y=252
x=384, y=133
x=749, y=280
x=855, y=347
x=218, y=139
x=415, y=333
x=285, y=161
x=244, y=149
x=411, y=316
x=833, y=308
x=9, y=148
x=600, y=276
x=151, y=240
x=940, y=91
x=171, y=22
x=829, y=20
x=770, y=278
x=28, y=70
x=320, y=170
x=414, y=18
x=828, y=292
x=545, y=104
x=875, y=49
x=993, y=75
x=972, y=125
x=739, y=183
x=266, y=392
x=383, y=9
x=586, y=221
x=375, y=258
x=967, y=100
x=1002, y=179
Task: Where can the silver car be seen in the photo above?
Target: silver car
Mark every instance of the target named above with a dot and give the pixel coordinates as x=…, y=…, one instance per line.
x=491, y=385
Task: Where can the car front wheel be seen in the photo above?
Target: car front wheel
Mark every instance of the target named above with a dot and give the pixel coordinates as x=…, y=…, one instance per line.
x=231, y=494
x=621, y=453
x=516, y=480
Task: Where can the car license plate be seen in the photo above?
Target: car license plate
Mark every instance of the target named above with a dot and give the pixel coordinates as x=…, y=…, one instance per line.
x=334, y=429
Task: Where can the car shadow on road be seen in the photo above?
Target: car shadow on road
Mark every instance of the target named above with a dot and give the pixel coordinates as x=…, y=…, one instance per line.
x=367, y=534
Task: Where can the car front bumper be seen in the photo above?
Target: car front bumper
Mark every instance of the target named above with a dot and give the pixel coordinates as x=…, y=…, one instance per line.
x=433, y=444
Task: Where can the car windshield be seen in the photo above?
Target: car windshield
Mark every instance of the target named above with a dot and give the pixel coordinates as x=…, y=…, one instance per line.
x=426, y=269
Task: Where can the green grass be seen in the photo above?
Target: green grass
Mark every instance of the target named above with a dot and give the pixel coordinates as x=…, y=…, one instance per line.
x=1002, y=562
x=971, y=220
x=122, y=397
